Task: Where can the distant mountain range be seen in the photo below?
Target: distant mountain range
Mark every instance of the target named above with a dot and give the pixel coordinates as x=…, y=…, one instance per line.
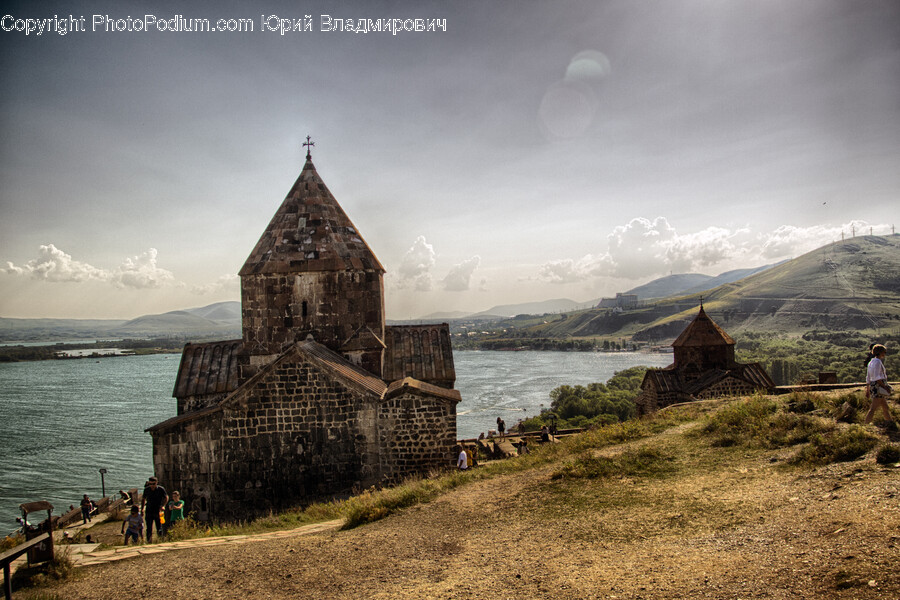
x=221, y=319
x=670, y=285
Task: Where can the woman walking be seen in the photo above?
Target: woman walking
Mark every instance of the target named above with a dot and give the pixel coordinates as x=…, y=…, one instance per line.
x=877, y=385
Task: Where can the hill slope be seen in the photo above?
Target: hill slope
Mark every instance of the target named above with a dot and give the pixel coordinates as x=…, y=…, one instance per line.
x=854, y=285
x=696, y=521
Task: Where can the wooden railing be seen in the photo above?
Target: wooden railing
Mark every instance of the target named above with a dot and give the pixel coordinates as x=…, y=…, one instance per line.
x=10, y=555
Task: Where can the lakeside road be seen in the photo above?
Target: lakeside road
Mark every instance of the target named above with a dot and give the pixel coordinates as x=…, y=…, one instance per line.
x=733, y=527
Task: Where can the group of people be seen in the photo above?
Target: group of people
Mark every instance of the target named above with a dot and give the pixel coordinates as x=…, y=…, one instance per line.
x=157, y=508
x=467, y=458
x=877, y=388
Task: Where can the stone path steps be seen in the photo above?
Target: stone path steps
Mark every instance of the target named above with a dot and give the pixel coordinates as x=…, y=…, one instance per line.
x=84, y=557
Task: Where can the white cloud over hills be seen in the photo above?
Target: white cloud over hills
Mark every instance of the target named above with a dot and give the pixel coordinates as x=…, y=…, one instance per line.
x=643, y=248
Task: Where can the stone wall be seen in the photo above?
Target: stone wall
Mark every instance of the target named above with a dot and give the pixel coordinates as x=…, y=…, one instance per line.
x=187, y=457
x=281, y=308
x=730, y=386
x=296, y=433
x=417, y=434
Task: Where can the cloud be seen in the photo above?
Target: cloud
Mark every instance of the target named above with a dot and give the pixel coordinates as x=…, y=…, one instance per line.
x=52, y=264
x=415, y=267
x=644, y=248
x=789, y=240
x=225, y=283
x=568, y=270
x=457, y=280
x=142, y=272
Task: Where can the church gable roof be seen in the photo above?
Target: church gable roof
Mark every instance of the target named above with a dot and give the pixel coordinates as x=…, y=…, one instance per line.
x=310, y=232
x=340, y=367
x=419, y=351
x=703, y=331
x=415, y=386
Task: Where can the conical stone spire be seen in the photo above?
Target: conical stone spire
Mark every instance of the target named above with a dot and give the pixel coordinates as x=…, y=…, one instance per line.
x=310, y=232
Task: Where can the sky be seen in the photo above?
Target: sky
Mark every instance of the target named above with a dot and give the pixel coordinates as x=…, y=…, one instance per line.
x=529, y=151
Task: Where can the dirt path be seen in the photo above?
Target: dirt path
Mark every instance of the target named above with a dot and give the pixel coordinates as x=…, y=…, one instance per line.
x=748, y=529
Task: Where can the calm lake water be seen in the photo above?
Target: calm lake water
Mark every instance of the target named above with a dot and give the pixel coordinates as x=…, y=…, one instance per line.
x=65, y=419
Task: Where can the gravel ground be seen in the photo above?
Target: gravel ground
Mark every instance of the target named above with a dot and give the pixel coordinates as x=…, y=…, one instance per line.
x=738, y=527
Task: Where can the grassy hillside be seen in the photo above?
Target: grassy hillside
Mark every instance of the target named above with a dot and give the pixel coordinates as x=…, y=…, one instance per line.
x=852, y=285
x=741, y=498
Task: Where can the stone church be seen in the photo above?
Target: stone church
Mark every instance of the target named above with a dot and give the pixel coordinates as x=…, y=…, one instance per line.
x=319, y=397
x=704, y=367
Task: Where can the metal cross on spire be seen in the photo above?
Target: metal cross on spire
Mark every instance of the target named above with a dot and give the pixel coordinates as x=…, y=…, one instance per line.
x=309, y=146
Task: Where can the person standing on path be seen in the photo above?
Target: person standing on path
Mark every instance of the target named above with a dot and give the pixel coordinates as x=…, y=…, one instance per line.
x=876, y=382
x=86, y=507
x=152, y=502
x=174, y=510
x=501, y=427
x=462, y=463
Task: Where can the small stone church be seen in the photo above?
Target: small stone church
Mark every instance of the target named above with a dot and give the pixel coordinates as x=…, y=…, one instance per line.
x=704, y=367
x=319, y=397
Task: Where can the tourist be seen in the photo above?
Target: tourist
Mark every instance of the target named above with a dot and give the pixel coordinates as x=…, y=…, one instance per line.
x=877, y=384
x=523, y=446
x=481, y=436
x=125, y=496
x=501, y=427
x=153, y=501
x=135, y=524
x=521, y=427
x=174, y=510
x=545, y=434
x=86, y=507
x=462, y=462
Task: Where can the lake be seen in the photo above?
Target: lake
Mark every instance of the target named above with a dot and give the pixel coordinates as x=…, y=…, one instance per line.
x=63, y=420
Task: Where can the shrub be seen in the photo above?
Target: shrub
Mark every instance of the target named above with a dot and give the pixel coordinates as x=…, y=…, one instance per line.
x=11, y=541
x=841, y=446
x=888, y=454
x=800, y=402
x=758, y=422
x=741, y=421
x=789, y=429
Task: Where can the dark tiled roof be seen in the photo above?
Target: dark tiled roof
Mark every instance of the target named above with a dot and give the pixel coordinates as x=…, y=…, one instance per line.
x=703, y=331
x=188, y=416
x=664, y=380
x=339, y=366
x=419, y=351
x=310, y=232
x=410, y=384
x=669, y=380
x=335, y=364
x=210, y=368
x=756, y=374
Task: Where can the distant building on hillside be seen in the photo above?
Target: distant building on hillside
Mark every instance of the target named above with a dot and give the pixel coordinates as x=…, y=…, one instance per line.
x=704, y=367
x=623, y=301
x=319, y=397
